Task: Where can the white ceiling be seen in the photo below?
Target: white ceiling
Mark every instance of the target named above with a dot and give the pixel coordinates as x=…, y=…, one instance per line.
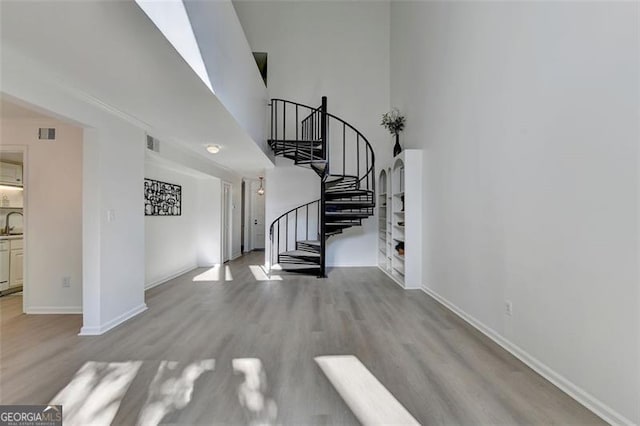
x=111, y=51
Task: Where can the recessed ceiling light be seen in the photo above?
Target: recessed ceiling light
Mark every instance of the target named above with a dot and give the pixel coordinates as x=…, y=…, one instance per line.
x=213, y=149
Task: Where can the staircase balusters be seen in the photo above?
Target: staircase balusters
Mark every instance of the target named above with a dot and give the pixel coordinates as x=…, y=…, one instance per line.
x=351, y=190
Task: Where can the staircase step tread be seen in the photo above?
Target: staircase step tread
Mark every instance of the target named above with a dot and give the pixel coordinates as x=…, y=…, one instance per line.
x=341, y=180
x=339, y=214
x=310, y=242
x=348, y=191
x=294, y=141
x=301, y=154
x=303, y=253
x=353, y=208
x=351, y=202
x=294, y=266
x=312, y=162
x=343, y=176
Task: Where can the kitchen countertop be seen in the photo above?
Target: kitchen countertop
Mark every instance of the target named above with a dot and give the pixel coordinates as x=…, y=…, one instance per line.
x=11, y=237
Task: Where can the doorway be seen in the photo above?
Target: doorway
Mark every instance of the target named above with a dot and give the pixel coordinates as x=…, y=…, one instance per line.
x=12, y=221
x=227, y=213
x=257, y=218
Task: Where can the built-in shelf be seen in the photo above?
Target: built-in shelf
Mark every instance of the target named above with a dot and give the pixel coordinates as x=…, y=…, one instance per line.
x=396, y=269
x=403, y=195
x=384, y=223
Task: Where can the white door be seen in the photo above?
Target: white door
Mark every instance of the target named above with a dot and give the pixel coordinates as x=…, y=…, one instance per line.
x=257, y=218
x=226, y=222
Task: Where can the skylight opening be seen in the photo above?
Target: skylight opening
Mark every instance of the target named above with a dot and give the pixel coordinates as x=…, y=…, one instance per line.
x=170, y=16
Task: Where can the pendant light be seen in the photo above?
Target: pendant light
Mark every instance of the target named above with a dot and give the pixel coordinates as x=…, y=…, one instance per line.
x=261, y=189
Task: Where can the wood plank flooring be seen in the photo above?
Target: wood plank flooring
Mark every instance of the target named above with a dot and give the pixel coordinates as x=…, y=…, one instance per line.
x=440, y=369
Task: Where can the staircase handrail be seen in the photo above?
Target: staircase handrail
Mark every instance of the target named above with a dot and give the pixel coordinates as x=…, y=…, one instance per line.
x=286, y=213
x=371, y=169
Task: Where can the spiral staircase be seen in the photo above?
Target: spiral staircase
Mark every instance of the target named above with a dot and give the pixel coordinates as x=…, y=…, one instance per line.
x=344, y=161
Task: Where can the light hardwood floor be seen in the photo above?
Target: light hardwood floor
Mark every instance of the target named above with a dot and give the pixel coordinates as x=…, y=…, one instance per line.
x=440, y=369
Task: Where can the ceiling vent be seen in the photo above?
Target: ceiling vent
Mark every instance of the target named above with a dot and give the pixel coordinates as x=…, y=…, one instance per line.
x=153, y=144
x=46, y=134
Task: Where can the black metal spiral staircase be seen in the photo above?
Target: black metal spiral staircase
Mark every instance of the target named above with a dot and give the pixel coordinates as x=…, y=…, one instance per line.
x=343, y=159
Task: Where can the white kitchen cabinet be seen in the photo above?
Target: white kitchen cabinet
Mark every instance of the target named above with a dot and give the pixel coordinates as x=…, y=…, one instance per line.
x=11, y=174
x=4, y=264
x=16, y=276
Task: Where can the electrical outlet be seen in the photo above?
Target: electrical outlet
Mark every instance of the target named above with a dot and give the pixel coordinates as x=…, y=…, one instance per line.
x=508, y=307
x=66, y=281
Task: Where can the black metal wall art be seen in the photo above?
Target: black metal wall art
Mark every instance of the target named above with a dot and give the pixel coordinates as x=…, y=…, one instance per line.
x=162, y=198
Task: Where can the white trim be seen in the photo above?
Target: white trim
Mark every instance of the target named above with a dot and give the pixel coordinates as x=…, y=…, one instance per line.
x=53, y=310
x=229, y=216
x=598, y=407
x=96, y=331
x=24, y=149
x=235, y=256
x=394, y=279
x=170, y=277
x=349, y=265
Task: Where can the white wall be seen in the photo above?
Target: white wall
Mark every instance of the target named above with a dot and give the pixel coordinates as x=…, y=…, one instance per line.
x=53, y=182
x=287, y=187
x=209, y=210
x=118, y=183
x=169, y=240
x=207, y=171
x=230, y=65
x=527, y=112
x=176, y=244
x=336, y=49
x=113, y=166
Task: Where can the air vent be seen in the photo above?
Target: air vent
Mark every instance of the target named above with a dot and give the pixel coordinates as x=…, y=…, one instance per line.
x=153, y=144
x=46, y=134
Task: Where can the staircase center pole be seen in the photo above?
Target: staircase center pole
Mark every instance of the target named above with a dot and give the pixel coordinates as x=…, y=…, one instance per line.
x=325, y=156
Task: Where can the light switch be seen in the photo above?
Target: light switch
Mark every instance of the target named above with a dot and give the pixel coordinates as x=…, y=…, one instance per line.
x=111, y=215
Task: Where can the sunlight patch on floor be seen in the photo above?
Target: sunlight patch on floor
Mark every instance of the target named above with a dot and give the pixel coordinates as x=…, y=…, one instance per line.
x=214, y=274
x=260, y=274
x=227, y=274
x=367, y=398
x=94, y=394
x=171, y=389
x=252, y=393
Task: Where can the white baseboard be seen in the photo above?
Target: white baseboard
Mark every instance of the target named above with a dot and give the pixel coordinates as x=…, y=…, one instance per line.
x=598, y=407
x=96, y=331
x=394, y=279
x=169, y=277
x=53, y=310
x=350, y=265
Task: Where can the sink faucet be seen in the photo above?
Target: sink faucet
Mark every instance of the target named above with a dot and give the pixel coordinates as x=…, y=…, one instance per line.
x=7, y=228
